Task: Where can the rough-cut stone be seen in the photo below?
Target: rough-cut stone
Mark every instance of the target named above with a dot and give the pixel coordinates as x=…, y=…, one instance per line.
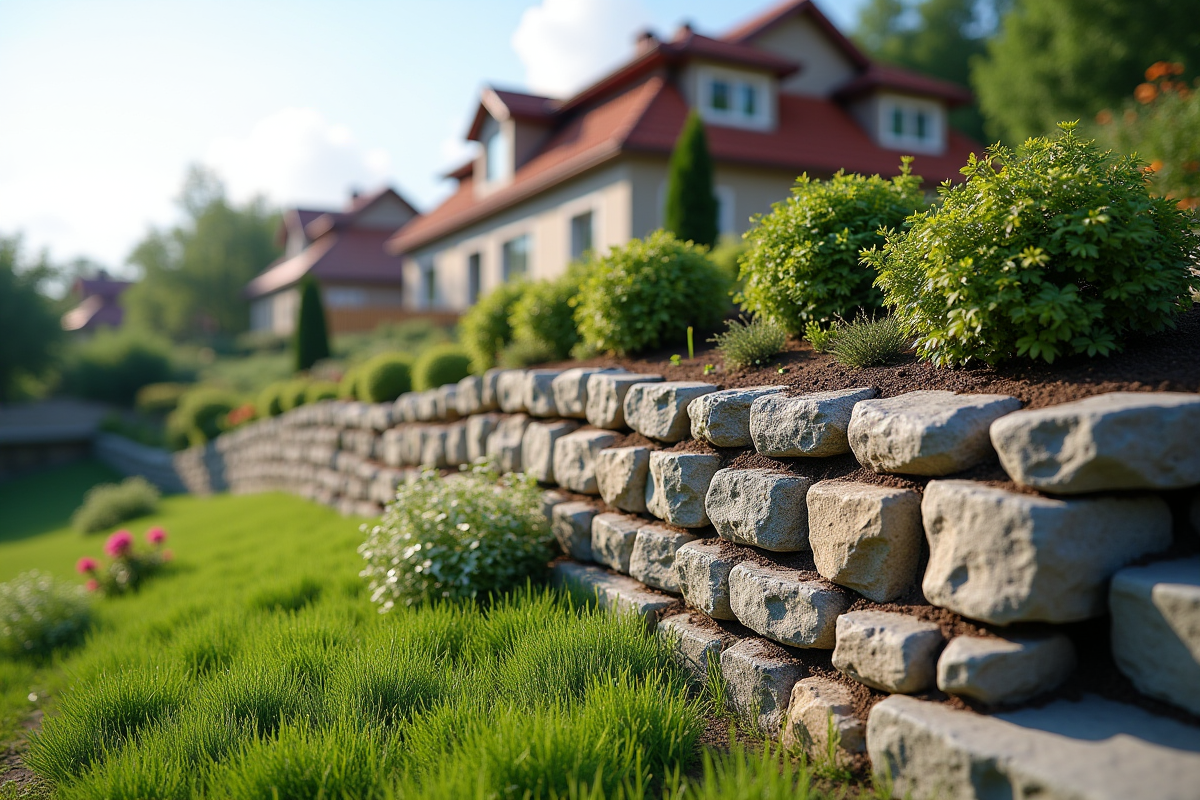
x=760, y=678
x=538, y=446
x=479, y=428
x=816, y=705
x=612, y=539
x=575, y=459
x=490, y=389
x=550, y=499
x=405, y=407
x=1156, y=629
x=694, y=644
x=888, y=651
x=864, y=537
x=621, y=474
x=456, y=443
x=1004, y=557
x=1091, y=749
x=702, y=572
x=393, y=447
x=653, y=558
x=469, y=398
x=780, y=604
x=539, y=392
x=510, y=390
x=606, y=393
x=678, y=485
x=1012, y=669
x=660, y=410
x=611, y=591
x=433, y=447
x=759, y=507
x=1121, y=440
x=926, y=433
x=723, y=418
x=570, y=390
x=446, y=402
x=504, y=443
x=572, y=527
x=812, y=425
x=427, y=406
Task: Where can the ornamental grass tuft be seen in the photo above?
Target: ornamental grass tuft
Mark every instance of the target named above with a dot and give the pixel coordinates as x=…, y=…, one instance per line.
x=750, y=344
x=866, y=342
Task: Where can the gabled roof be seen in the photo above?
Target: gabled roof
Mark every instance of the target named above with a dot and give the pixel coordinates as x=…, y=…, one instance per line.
x=352, y=255
x=756, y=26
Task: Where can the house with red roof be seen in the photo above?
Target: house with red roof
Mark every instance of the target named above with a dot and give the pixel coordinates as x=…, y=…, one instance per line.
x=782, y=94
x=99, y=304
x=361, y=282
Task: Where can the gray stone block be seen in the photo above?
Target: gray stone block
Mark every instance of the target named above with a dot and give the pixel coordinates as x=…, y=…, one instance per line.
x=479, y=428
x=570, y=390
x=504, y=443
x=759, y=679
x=781, y=604
x=660, y=410
x=812, y=425
x=617, y=592
x=575, y=459
x=621, y=475
x=490, y=388
x=612, y=539
x=702, y=572
x=469, y=398
x=695, y=645
x=816, y=705
x=539, y=392
x=1012, y=669
x=759, y=507
x=723, y=418
x=551, y=498
x=447, y=402
x=606, y=393
x=678, y=485
x=538, y=445
x=888, y=651
x=427, y=406
x=433, y=447
x=456, y=443
x=510, y=390
x=572, y=526
x=653, y=558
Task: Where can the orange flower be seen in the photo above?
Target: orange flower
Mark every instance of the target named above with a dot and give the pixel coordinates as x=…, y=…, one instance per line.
x=1155, y=165
x=1145, y=93
x=1105, y=117
x=1189, y=202
x=1157, y=70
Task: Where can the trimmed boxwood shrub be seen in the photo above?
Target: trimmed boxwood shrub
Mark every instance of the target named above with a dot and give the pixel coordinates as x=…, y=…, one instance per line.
x=292, y=394
x=107, y=505
x=268, y=402
x=439, y=365
x=485, y=329
x=348, y=385
x=646, y=295
x=160, y=398
x=320, y=390
x=201, y=414
x=385, y=377
x=544, y=316
x=1056, y=248
x=803, y=264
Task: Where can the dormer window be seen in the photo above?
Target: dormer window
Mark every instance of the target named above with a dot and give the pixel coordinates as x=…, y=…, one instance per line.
x=731, y=97
x=497, y=156
x=912, y=124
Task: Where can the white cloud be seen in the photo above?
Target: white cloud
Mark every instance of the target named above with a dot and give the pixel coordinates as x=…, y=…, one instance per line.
x=296, y=156
x=564, y=44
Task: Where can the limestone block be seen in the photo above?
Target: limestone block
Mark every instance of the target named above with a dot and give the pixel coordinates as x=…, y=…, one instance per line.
x=611, y=591
x=621, y=474
x=660, y=410
x=538, y=445
x=504, y=443
x=456, y=443
x=867, y=538
x=888, y=651
x=1004, y=557
x=1005, y=670
x=427, y=406
x=723, y=418
x=678, y=485
x=612, y=539
x=539, y=392
x=815, y=703
x=781, y=604
x=510, y=390
x=446, y=402
x=468, y=399
x=479, y=428
x=652, y=560
x=572, y=526
x=433, y=447
x=570, y=390
x=1121, y=440
x=405, y=408
x=811, y=425
x=379, y=417
x=412, y=444
x=760, y=678
x=759, y=507
x=702, y=573
x=1156, y=629
x=694, y=644
x=575, y=459
x=393, y=447
x=606, y=393
x=551, y=498
x=490, y=389
x=927, y=432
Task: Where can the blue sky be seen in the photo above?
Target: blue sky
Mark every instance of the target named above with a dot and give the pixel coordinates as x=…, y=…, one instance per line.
x=104, y=104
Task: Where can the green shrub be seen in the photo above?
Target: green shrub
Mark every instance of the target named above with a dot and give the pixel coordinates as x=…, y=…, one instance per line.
x=485, y=330
x=160, y=398
x=819, y=337
x=269, y=402
x=521, y=353
x=110, y=504
x=113, y=365
x=803, y=261
x=440, y=365
x=385, y=377
x=1057, y=248
x=456, y=539
x=348, y=385
x=545, y=314
x=312, y=340
x=750, y=344
x=321, y=390
x=292, y=394
x=646, y=295
x=201, y=414
x=39, y=614
x=866, y=342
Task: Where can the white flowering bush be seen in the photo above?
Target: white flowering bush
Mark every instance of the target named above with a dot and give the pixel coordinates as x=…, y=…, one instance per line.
x=456, y=537
x=39, y=614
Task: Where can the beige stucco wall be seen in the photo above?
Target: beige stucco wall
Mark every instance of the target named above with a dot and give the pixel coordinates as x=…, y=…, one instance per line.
x=823, y=66
x=276, y=312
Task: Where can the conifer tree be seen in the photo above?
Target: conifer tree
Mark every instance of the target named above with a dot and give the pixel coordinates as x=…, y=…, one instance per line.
x=312, y=341
x=691, y=205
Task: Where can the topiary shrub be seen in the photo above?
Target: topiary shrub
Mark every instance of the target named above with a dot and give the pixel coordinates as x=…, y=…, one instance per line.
x=803, y=264
x=646, y=295
x=439, y=365
x=293, y=394
x=39, y=614
x=160, y=398
x=485, y=329
x=348, y=385
x=384, y=378
x=268, y=401
x=1056, y=248
x=201, y=414
x=544, y=316
x=321, y=390
x=109, y=504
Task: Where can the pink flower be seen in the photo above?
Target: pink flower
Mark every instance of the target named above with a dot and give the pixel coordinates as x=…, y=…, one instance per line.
x=119, y=544
x=85, y=565
x=156, y=536
x=93, y=585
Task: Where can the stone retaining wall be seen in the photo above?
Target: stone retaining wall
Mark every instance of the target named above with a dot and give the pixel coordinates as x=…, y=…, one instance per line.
x=813, y=597
x=132, y=458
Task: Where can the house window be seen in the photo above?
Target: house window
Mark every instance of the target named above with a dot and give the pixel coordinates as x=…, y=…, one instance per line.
x=473, y=270
x=734, y=98
x=345, y=297
x=429, y=283
x=898, y=122
x=749, y=100
x=912, y=124
x=515, y=256
x=922, y=126
x=581, y=235
x=720, y=95
x=726, y=210
x=497, y=156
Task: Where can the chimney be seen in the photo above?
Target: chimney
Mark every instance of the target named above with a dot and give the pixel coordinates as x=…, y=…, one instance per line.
x=685, y=30
x=645, y=42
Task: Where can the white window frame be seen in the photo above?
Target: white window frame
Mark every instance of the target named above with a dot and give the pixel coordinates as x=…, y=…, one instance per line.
x=506, y=248
x=726, y=210
x=910, y=108
x=428, y=282
x=761, y=119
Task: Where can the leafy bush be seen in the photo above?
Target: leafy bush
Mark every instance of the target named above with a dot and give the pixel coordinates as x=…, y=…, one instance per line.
x=803, y=261
x=113, y=365
x=201, y=414
x=110, y=504
x=348, y=386
x=1055, y=248
x=439, y=365
x=521, y=353
x=293, y=394
x=750, y=344
x=819, y=337
x=545, y=315
x=385, y=377
x=321, y=390
x=456, y=539
x=648, y=293
x=485, y=329
x=269, y=400
x=39, y=614
x=160, y=398
x=866, y=342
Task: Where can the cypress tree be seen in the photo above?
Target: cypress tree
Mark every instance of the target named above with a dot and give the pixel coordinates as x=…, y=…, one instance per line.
x=312, y=341
x=691, y=206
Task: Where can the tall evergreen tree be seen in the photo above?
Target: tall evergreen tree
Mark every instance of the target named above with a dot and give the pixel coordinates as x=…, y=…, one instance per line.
x=312, y=340
x=691, y=204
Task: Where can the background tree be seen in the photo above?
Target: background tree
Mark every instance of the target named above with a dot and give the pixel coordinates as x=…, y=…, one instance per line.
x=29, y=322
x=1058, y=60
x=691, y=204
x=312, y=339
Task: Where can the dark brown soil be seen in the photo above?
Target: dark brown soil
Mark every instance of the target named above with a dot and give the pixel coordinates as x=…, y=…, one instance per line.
x=15, y=777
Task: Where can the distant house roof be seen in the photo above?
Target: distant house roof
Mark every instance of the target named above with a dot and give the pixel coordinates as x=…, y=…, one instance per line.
x=98, y=304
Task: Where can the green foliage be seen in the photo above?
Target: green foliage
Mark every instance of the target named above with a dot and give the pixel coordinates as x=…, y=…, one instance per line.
x=440, y=365
x=109, y=504
x=201, y=414
x=113, y=365
x=803, y=260
x=645, y=295
x=521, y=353
x=485, y=329
x=385, y=377
x=1057, y=248
x=691, y=202
x=312, y=340
x=818, y=336
x=292, y=394
x=29, y=326
x=39, y=614
x=160, y=398
x=348, y=385
x=545, y=315
x=750, y=344
x=865, y=342
x=269, y=402
x=727, y=255
x=411, y=336
x=321, y=390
